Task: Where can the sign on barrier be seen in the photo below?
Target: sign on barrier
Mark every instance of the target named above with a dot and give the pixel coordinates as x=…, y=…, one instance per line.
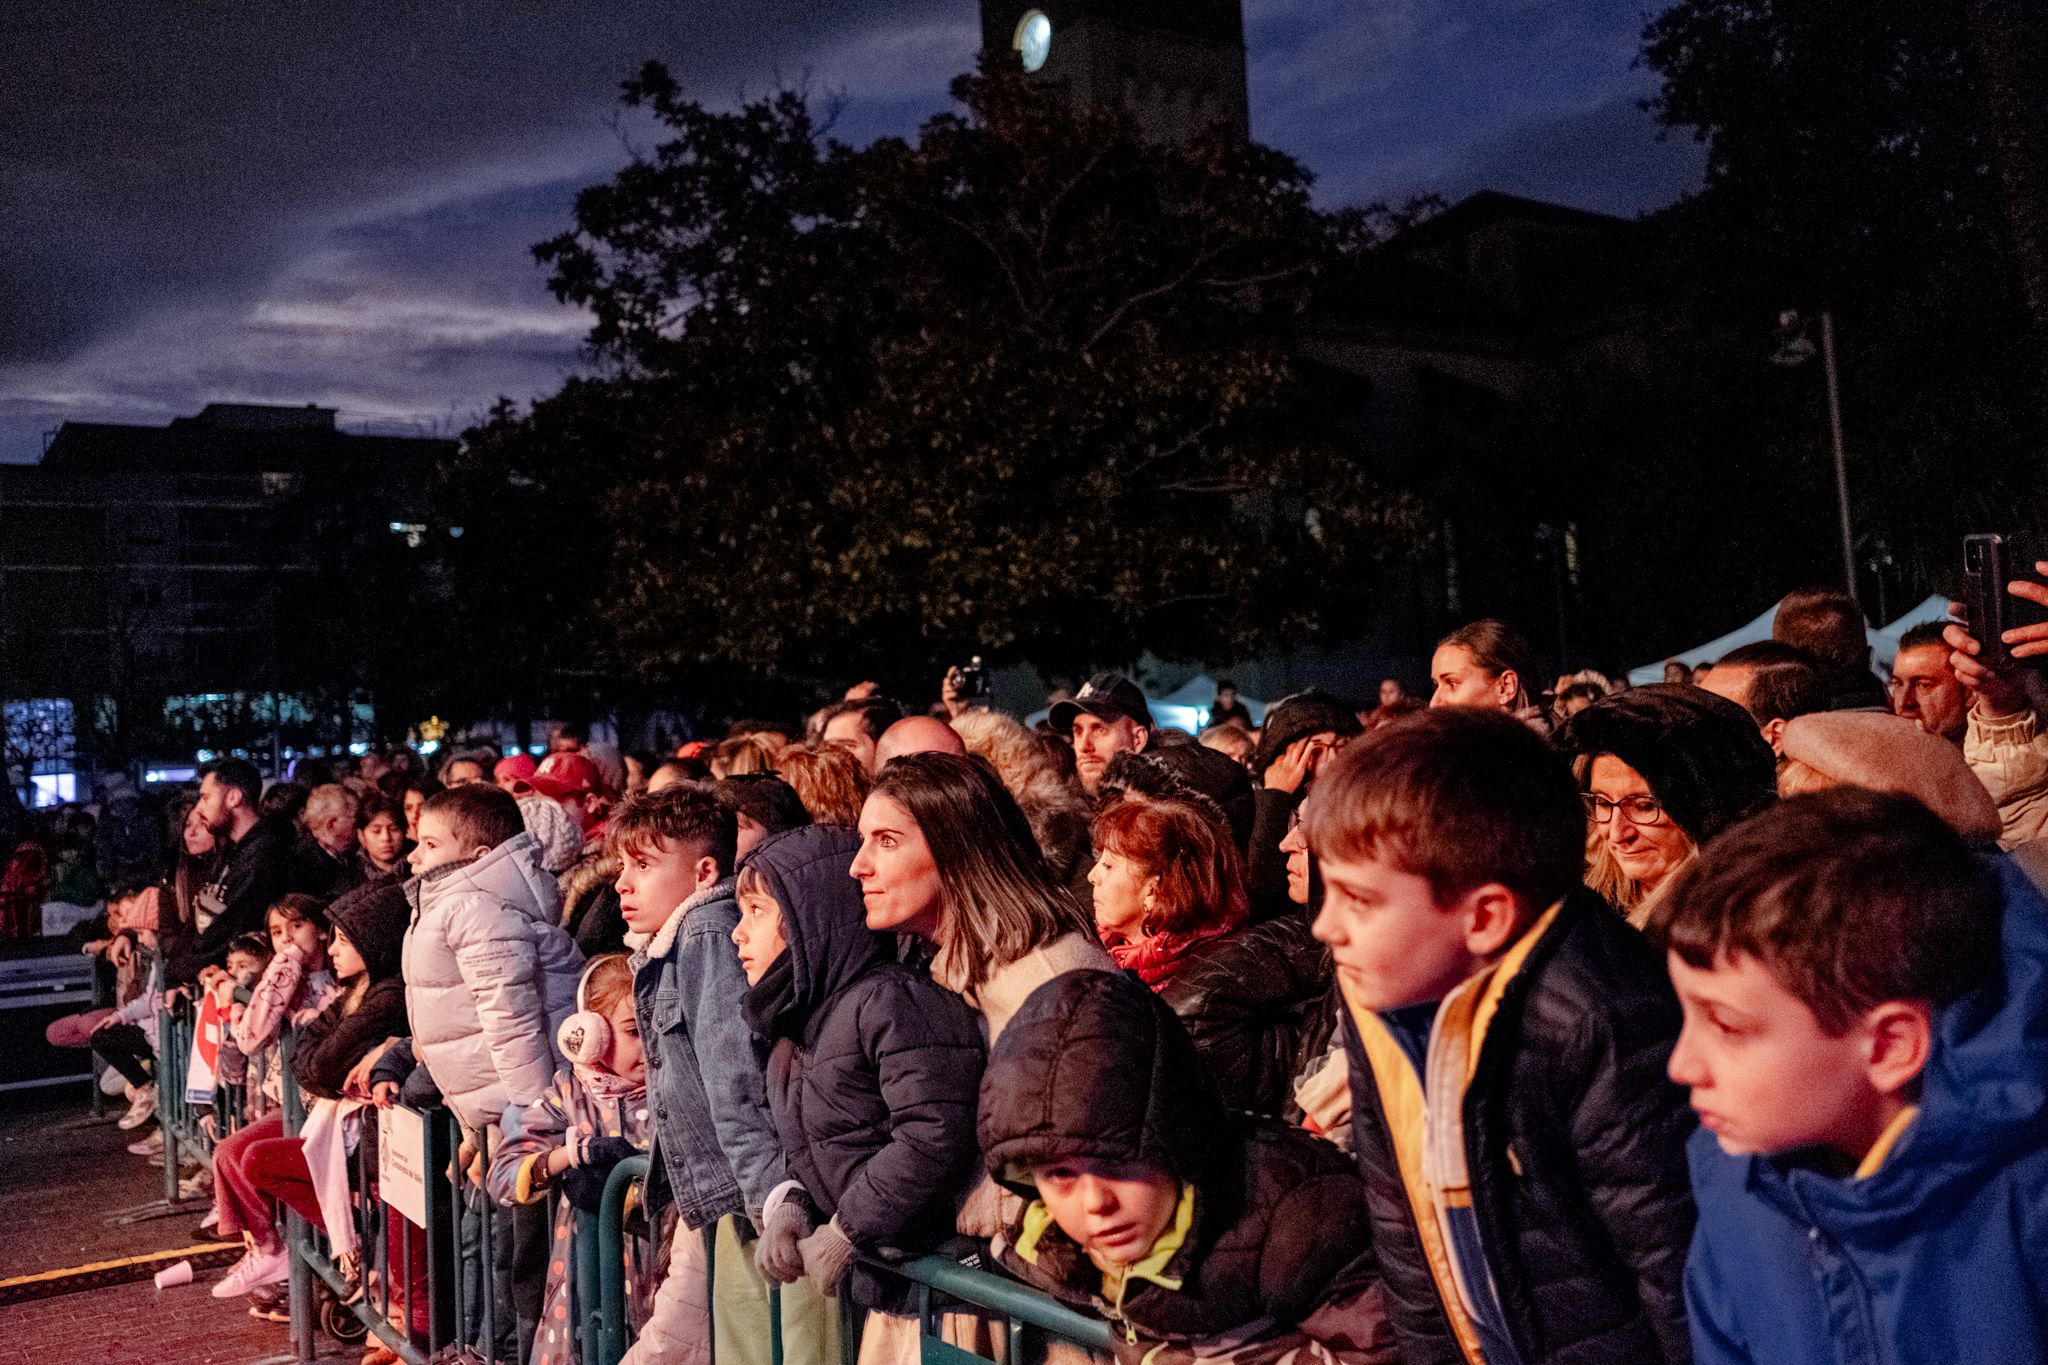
x=206, y=1036
x=402, y=1162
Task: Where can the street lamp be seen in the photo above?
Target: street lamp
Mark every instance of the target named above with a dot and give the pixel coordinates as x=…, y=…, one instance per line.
x=1794, y=348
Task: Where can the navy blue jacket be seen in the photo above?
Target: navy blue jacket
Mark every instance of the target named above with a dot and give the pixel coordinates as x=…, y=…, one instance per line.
x=1939, y=1255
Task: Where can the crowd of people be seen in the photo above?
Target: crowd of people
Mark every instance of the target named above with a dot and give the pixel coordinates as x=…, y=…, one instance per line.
x=1572, y=1024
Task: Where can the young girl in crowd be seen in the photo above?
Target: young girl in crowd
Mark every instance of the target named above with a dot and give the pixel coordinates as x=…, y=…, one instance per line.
x=259, y=1167
x=872, y=1078
x=296, y=986
x=593, y=1116
x=380, y=840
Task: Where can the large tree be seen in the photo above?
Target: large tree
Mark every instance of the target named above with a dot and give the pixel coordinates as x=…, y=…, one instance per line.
x=1853, y=167
x=1021, y=385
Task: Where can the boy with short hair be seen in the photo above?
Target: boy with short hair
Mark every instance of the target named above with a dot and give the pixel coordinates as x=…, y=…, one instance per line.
x=1872, y=1083
x=1507, y=1034
x=713, y=1134
x=1200, y=1233
x=489, y=977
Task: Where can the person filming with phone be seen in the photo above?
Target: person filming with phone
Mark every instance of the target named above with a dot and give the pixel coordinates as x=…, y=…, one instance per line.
x=2004, y=742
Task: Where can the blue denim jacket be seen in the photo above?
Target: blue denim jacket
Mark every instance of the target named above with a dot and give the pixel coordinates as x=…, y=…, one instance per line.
x=713, y=1132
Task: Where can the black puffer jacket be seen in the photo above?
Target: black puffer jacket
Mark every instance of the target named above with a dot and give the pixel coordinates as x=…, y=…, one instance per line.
x=374, y=919
x=1095, y=1066
x=1575, y=1140
x=875, y=1070
x=1252, y=1001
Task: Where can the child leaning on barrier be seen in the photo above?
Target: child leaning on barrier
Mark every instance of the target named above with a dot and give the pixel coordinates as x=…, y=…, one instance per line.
x=592, y=1117
x=296, y=985
x=873, y=1078
x=1198, y=1232
x=714, y=1138
x=258, y=1167
x=1866, y=1042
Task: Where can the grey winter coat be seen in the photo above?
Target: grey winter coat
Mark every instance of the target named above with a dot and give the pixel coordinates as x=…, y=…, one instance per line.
x=489, y=976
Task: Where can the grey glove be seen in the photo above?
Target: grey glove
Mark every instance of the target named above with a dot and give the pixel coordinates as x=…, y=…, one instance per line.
x=777, y=1255
x=826, y=1253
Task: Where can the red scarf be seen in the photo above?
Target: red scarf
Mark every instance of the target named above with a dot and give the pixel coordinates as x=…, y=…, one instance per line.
x=1158, y=959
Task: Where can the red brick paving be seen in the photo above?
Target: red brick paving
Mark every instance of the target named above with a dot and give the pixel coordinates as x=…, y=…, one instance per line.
x=59, y=1181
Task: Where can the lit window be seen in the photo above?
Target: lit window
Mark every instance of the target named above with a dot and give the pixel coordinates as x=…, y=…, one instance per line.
x=1034, y=39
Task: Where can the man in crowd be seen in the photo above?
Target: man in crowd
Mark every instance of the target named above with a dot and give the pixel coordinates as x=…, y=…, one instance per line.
x=323, y=861
x=255, y=872
x=1107, y=717
x=856, y=725
x=1829, y=626
x=1774, y=682
x=1924, y=686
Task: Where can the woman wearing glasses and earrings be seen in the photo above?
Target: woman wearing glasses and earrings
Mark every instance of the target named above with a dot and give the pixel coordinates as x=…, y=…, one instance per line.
x=1663, y=769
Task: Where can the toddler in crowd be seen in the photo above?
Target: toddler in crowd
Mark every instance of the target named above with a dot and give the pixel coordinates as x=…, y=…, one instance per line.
x=1866, y=1041
x=489, y=977
x=593, y=1116
x=872, y=1078
x=1198, y=1232
x=1507, y=1033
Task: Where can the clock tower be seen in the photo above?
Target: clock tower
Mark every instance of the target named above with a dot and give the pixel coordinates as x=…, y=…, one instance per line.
x=1177, y=65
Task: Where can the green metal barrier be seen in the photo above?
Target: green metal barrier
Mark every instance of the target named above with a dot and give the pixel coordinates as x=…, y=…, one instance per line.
x=1020, y=1306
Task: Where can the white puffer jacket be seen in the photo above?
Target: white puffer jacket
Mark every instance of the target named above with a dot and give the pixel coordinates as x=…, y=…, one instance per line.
x=489, y=975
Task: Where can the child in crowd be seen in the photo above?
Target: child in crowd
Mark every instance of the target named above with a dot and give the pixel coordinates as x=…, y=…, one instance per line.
x=1198, y=1232
x=489, y=977
x=259, y=1167
x=593, y=1116
x=489, y=974
x=296, y=985
x=713, y=1132
x=873, y=1077
x=1507, y=1034
x=1872, y=1085
x=236, y=1092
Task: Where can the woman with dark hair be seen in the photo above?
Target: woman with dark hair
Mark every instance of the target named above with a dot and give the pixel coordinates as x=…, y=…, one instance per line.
x=410, y=796
x=192, y=861
x=381, y=843
x=1170, y=904
x=947, y=856
x=1486, y=664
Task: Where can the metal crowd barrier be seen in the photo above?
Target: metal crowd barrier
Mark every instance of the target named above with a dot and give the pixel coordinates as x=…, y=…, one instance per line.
x=176, y=1117
x=606, y=1254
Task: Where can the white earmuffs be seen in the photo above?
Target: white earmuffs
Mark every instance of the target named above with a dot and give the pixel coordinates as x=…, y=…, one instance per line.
x=585, y=1036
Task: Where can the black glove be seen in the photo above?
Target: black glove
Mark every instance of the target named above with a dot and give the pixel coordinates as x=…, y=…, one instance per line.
x=583, y=1183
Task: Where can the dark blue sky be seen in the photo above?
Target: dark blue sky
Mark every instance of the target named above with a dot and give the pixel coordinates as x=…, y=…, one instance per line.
x=334, y=204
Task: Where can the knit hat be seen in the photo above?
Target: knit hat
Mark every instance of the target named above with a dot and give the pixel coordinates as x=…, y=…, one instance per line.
x=554, y=829
x=375, y=917
x=1893, y=754
x=1701, y=754
x=1291, y=718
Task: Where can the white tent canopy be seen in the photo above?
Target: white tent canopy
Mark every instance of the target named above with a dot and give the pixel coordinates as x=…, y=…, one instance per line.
x=1884, y=641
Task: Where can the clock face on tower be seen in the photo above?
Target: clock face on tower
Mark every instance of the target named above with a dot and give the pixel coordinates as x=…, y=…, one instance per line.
x=1033, y=42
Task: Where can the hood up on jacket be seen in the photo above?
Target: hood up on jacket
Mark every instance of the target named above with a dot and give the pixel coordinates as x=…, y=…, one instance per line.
x=824, y=924
x=374, y=918
x=1701, y=754
x=1094, y=1065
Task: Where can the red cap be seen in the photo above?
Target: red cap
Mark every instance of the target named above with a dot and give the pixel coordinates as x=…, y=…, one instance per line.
x=516, y=767
x=566, y=774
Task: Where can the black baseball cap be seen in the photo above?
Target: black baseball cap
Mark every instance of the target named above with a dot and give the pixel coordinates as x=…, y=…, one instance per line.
x=1104, y=696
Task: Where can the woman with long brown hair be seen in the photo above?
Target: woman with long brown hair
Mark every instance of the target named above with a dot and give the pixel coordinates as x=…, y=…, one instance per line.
x=946, y=855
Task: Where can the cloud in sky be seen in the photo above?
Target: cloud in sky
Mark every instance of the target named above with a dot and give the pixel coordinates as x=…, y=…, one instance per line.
x=306, y=202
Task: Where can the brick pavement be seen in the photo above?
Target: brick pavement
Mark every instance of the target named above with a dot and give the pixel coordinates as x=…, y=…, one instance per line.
x=60, y=1178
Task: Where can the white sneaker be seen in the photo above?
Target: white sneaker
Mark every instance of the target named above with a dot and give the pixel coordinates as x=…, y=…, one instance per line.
x=141, y=1107
x=210, y=1223
x=153, y=1145
x=254, y=1270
